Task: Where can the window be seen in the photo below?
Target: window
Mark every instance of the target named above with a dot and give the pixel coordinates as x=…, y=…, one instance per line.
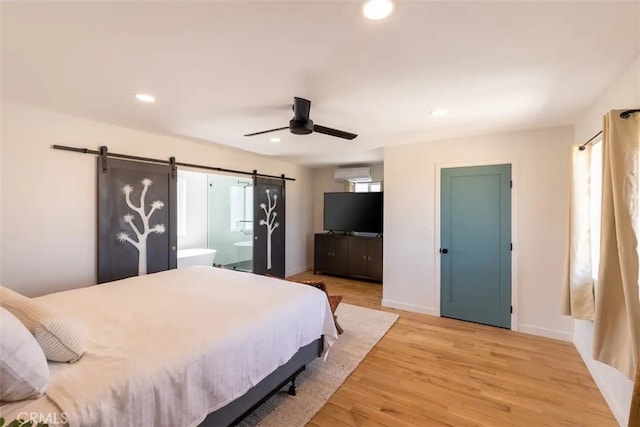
x=366, y=187
x=596, y=205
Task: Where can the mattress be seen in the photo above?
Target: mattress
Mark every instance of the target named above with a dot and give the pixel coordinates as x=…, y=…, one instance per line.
x=168, y=348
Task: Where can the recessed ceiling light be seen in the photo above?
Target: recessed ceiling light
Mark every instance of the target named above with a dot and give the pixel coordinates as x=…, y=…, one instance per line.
x=439, y=112
x=274, y=139
x=377, y=9
x=145, y=97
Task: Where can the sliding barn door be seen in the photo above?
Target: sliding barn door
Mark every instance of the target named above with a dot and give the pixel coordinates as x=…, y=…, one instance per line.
x=136, y=218
x=268, y=227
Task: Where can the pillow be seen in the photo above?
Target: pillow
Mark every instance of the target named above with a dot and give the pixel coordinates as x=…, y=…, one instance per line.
x=24, y=373
x=59, y=338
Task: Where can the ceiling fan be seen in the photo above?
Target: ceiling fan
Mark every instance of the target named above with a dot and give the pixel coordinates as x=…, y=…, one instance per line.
x=302, y=125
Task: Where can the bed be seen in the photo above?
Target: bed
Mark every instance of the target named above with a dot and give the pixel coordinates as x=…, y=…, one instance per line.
x=188, y=347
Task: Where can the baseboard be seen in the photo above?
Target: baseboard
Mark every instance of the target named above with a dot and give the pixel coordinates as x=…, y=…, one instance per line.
x=549, y=333
x=410, y=307
x=298, y=270
x=621, y=414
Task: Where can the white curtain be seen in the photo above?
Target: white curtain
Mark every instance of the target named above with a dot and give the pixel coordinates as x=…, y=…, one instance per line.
x=578, y=296
x=617, y=314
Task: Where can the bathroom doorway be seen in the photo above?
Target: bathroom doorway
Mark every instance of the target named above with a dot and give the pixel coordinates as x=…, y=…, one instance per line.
x=215, y=220
x=231, y=221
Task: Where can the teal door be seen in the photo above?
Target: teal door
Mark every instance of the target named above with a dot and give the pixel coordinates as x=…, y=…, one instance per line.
x=475, y=251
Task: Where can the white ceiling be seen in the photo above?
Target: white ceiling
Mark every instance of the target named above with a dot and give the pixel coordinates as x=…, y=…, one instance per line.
x=223, y=69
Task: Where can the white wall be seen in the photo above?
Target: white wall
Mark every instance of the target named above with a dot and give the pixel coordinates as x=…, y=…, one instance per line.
x=49, y=196
x=623, y=93
x=196, y=211
x=323, y=182
x=2, y=137
x=540, y=159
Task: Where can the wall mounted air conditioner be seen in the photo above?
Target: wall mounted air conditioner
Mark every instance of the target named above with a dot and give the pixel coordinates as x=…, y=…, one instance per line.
x=359, y=174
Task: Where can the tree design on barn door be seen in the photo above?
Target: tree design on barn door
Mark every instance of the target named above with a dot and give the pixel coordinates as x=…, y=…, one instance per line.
x=141, y=243
x=269, y=232
x=269, y=222
x=136, y=219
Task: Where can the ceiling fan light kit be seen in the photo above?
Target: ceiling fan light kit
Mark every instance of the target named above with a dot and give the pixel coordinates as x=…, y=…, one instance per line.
x=302, y=125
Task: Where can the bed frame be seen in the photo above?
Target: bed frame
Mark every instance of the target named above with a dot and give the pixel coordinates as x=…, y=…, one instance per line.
x=236, y=411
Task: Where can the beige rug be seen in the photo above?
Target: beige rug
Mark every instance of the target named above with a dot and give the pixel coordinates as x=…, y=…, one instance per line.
x=363, y=328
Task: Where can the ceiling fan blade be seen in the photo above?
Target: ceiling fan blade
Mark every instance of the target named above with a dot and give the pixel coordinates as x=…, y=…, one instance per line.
x=266, y=131
x=301, y=109
x=334, y=132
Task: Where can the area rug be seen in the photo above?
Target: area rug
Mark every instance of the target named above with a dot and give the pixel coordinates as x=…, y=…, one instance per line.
x=363, y=328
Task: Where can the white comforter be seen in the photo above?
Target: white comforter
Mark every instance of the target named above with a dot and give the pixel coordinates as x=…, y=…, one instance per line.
x=168, y=348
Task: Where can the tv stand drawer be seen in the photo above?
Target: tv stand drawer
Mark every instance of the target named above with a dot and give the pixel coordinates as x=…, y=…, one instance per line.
x=346, y=255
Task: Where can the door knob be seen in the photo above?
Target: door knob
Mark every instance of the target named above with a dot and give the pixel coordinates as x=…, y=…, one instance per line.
x=444, y=251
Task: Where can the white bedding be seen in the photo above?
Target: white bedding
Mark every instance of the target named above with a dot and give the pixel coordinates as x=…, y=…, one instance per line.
x=166, y=349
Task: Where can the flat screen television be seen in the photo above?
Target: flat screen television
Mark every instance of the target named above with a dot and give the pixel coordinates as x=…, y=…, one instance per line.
x=349, y=212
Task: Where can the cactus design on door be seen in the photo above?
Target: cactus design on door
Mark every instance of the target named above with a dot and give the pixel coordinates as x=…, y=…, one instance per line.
x=136, y=219
x=270, y=221
x=269, y=232
x=141, y=243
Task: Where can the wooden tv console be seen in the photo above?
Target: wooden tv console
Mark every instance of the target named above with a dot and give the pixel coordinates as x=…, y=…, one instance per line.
x=345, y=255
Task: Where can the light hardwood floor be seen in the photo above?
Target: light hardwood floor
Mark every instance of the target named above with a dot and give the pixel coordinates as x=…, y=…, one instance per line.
x=431, y=371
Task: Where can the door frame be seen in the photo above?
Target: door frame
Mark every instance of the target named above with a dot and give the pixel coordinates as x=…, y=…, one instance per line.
x=514, y=230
